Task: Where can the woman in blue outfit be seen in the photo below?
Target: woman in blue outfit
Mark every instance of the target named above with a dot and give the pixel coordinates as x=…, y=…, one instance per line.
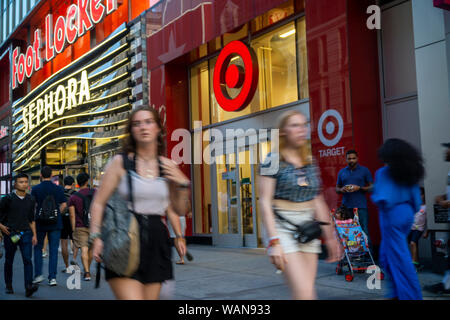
x=397, y=195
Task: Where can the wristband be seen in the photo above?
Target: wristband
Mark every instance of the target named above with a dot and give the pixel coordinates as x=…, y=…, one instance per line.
x=184, y=185
x=273, y=242
x=93, y=236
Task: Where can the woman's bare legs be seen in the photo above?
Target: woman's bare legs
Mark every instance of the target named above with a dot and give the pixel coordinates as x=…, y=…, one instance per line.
x=300, y=272
x=130, y=289
x=152, y=291
x=127, y=289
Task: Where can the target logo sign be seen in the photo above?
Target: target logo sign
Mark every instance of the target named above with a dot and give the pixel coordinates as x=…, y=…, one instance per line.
x=234, y=76
x=330, y=127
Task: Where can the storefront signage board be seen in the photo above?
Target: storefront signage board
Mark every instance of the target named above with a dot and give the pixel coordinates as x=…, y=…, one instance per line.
x=79, y=19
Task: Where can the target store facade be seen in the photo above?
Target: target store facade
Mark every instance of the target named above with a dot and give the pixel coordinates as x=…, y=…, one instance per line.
x=237, y=65
x=213, y=66
x=357, y=85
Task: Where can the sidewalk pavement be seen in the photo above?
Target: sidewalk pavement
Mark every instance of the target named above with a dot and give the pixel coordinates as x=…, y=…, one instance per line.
x=217, y=274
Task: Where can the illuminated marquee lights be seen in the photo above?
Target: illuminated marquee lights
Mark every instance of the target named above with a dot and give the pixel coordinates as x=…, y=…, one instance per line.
x=56, y=102
x=79, y=19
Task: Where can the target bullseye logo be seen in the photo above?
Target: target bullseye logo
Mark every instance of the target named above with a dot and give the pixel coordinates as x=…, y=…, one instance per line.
x=334, y=127
x=234, y=76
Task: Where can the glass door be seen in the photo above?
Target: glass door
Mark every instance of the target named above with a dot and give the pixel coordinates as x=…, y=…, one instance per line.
x=226, y=221
x=234, y=222
x=247, y=174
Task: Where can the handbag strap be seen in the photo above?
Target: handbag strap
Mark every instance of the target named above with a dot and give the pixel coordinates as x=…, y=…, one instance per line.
x=279, y=216
x=129, y=165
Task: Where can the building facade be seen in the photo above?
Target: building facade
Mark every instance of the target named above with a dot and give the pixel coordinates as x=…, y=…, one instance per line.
x=357, y=86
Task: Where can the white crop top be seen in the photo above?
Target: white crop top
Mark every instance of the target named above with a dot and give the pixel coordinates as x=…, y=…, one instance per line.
x=150, y=195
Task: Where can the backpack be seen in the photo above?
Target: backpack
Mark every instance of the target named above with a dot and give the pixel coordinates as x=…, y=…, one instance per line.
x=67, y=193
x=87, y=199
x=48, y=213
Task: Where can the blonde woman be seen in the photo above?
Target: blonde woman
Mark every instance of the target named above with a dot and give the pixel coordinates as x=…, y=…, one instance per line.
x=158, y=186
x=294, y=191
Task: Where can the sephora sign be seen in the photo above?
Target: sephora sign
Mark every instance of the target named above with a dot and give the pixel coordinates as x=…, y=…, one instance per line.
x=79, y=19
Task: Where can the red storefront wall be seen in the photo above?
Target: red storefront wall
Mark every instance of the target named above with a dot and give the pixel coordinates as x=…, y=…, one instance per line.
x=343, y=76
x=342, y=70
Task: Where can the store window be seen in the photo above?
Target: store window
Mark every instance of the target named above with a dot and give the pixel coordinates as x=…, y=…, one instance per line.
x=202, y=196
x=200, y=94
x=302, y=59
x=272, y=16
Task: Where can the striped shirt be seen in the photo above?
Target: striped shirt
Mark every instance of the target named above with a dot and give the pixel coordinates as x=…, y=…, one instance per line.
x=293, y=184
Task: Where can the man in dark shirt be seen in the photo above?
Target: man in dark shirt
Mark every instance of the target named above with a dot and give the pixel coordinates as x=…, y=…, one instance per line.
x=53, y=231
x=354, y=181
x=18, y=226
x=81, y=230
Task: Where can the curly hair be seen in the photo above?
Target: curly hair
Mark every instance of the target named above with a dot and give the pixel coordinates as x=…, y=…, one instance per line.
x=405, y=163
x=129, y=143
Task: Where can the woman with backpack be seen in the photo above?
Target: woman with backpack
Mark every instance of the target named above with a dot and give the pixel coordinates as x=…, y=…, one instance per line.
x=157, y=185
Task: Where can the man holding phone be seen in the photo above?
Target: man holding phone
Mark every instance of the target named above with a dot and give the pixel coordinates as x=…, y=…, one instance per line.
x=353, y=182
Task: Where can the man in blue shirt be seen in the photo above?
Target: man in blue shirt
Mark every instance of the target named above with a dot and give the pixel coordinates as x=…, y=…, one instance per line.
x=353, y=182
x=44, y=227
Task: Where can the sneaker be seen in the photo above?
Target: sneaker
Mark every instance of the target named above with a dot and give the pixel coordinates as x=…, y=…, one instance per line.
x=9, y=289
x=30, y=290
x=65, y=270
x=44, y=254
x=189, y=256
x=87, y=276
x=73, y=263
x=52, y=282
x=38, y=279
x=437, y=288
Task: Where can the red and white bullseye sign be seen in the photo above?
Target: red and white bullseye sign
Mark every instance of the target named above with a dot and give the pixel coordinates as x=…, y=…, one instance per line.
x=233, y=76
x=334, y=127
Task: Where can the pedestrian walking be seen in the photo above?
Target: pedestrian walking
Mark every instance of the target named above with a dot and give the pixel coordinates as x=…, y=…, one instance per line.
x=292, y=192
x=397, y=194
x=66, y=232
x=18, y=225
x=51, y=201
x=158, y=185
x=353, y=182
x=418, y=229
x=443, y=200
x=79, y=208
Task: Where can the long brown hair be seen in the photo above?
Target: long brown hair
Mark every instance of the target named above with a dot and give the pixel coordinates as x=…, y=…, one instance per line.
x=304, y=151
x=129, y=143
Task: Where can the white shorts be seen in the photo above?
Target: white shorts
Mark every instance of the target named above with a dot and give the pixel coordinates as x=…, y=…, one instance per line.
x=287, y=241
x=183, y=227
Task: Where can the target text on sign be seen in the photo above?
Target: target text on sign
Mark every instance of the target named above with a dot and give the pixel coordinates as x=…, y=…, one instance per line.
x=333, y=152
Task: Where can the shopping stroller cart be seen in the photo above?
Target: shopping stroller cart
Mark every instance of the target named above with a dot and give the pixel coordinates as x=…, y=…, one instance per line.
x=357, y=255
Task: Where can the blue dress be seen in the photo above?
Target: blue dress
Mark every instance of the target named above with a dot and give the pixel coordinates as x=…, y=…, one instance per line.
x=397, y=205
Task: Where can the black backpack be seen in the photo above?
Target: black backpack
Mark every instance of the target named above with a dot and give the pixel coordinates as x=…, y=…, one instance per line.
x=86, y=214
x=67, y=193
x=48, y=213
